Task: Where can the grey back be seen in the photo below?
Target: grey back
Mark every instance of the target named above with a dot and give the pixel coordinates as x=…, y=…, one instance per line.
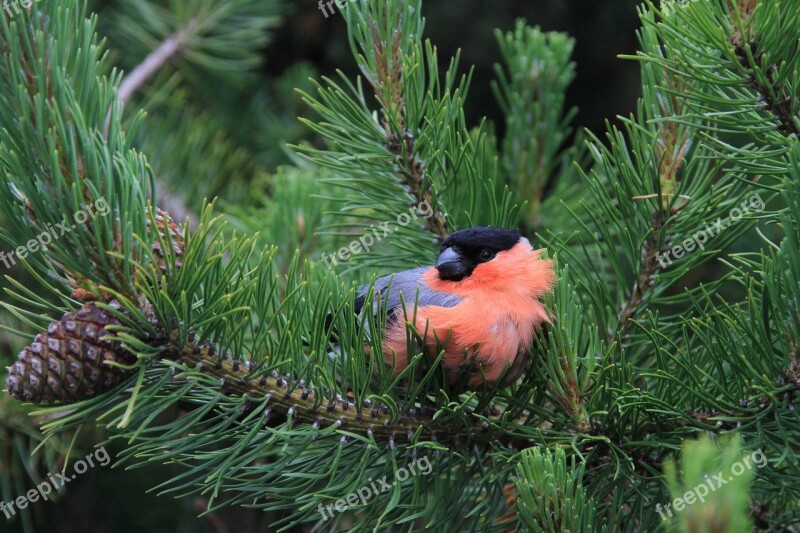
x=406, y=283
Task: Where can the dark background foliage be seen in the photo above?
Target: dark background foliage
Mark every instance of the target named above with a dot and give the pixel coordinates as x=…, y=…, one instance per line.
x=605, y=87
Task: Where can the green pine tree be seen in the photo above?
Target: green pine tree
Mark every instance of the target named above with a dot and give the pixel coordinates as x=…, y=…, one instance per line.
x=205, y=343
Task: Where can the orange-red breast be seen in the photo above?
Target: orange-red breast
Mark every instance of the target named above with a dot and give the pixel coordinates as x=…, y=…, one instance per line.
x=479, y=303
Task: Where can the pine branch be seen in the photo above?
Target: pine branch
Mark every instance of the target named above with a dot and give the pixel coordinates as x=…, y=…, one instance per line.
x=647, y=270
x=551, y=495
x=777, y=98
x=216, y=37
x=172, y=47
x=750, y=92
x=670, y=151
x=413, y=173
x=288, y=397
x=725, y=508
x=63, y=165
x=388, y=83
x=531, y=91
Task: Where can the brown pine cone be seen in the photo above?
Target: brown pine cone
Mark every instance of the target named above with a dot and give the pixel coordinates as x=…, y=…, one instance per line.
x=69, y=362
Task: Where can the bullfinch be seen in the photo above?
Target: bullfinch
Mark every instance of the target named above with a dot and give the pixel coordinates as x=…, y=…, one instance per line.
x=479, y=303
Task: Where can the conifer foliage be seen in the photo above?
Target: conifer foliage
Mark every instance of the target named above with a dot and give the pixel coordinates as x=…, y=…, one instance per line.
x=237, y=330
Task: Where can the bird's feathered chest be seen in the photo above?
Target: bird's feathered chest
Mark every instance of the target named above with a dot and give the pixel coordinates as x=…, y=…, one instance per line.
x=497, y=322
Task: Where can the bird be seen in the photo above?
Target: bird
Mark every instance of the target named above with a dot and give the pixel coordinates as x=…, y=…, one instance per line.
x=480, y=303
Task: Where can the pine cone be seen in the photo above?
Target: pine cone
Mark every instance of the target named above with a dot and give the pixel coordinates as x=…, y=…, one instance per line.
x=68, y=363
x=166, y=225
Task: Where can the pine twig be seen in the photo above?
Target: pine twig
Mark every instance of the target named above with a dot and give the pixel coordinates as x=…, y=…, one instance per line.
x=399, y=139
x=413, y=172
x=647, y=269
x=776, y=100
x=169, y=49
x=670, y=152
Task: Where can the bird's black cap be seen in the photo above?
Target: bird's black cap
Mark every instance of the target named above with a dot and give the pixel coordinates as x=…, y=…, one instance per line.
x=482, y=237
x=464, y=250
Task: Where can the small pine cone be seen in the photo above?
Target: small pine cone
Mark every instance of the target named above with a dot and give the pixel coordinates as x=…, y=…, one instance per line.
x=68, y=363
x=166, y=225
x=86, y=291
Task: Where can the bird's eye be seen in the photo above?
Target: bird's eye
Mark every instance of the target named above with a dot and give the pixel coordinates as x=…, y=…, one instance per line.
x=487, y=255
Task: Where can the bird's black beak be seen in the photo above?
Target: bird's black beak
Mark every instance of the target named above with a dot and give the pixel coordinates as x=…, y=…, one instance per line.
x=451, y=265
